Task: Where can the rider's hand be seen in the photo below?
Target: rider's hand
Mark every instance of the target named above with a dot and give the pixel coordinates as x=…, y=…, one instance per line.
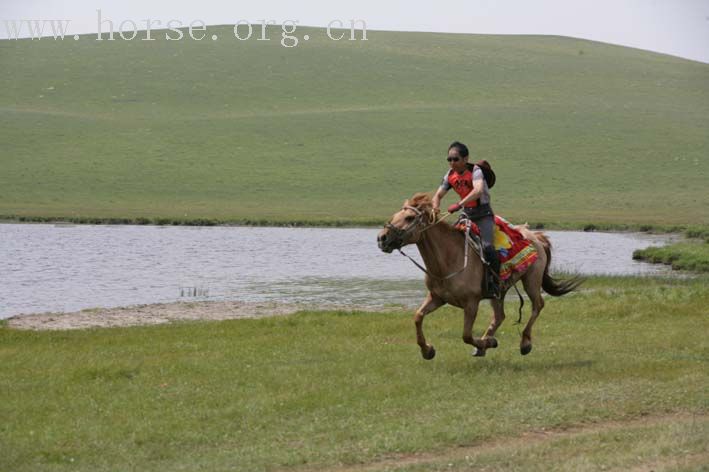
x=454, y=207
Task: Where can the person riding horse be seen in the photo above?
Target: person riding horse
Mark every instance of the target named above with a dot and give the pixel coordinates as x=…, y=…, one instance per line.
x=468, y=181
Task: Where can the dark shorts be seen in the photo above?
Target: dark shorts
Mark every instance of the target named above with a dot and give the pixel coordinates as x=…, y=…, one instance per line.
x=485, y=219
x=478, y=212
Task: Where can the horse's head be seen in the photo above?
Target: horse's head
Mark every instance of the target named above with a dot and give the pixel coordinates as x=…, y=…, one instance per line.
x=406, y=225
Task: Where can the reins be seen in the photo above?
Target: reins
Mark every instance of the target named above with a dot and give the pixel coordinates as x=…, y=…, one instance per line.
x=467, y=244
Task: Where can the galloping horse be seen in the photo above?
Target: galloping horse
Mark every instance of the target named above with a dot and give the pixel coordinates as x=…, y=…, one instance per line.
x=442, y=248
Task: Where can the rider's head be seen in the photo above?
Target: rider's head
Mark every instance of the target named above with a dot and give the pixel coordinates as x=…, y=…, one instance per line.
x=457, y=156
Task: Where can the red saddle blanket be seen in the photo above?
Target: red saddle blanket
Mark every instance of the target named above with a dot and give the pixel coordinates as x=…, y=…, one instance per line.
x=515, y=252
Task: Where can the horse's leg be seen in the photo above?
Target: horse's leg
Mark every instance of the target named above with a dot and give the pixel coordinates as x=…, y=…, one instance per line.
x=429, y=304
x=533, y=286
x=498, y=316
x=471, y=312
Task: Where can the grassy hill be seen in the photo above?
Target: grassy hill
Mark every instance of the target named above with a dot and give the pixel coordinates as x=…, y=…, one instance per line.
x=578, y=131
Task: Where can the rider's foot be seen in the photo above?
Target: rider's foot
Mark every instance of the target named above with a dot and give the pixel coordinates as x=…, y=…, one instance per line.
x=493, y=288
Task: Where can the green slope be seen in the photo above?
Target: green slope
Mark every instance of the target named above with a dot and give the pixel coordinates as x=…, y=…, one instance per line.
x=577, y=131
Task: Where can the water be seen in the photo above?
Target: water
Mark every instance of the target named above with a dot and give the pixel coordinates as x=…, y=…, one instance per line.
x=63, y=268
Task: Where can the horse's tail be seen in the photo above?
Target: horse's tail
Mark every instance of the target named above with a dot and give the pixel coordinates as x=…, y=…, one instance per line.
x=552, y=286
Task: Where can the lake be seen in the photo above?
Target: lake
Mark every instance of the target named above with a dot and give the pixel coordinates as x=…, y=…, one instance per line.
x=60, y=268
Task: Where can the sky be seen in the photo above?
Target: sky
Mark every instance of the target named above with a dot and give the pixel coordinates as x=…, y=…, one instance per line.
x=676, y=27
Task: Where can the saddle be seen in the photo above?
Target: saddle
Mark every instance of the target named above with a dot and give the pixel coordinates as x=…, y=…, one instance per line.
x=515, y=252
x=491, y=284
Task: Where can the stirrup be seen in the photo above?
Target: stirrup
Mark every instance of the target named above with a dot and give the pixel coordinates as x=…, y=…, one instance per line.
x=494, y=293
x=491, y=290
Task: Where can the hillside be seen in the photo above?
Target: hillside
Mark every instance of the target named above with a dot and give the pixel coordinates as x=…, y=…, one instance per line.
x=577, y=131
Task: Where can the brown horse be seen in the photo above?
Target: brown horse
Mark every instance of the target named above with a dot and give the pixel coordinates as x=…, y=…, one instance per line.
x=452, y=279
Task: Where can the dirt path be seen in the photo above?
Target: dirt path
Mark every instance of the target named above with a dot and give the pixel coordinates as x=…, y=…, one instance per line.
x=157, y=314
x=532, y=438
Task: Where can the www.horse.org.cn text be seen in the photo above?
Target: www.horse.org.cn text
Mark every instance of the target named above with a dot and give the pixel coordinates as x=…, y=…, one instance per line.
x=176, y=30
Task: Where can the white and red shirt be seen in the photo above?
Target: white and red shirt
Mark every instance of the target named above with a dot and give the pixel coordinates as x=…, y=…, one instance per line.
x=463, y=185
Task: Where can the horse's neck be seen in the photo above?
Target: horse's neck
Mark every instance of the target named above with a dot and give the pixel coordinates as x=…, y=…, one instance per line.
x=440, y=248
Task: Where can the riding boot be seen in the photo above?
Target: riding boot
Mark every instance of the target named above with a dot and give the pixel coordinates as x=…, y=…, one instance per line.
x=493, y=288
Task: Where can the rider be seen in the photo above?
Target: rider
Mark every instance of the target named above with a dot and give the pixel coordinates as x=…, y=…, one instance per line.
x=469, y=183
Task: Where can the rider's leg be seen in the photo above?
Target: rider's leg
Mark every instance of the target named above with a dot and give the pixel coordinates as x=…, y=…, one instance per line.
x=487, y=227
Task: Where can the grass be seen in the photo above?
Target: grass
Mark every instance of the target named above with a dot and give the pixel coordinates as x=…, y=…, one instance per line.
x=340, y=389
x=341, y=132
x=689, y=255
x=674, y=444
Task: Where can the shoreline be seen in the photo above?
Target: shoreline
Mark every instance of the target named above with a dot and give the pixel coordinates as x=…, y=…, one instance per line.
x=164, y=313
x=149, y=314
x=689, y=230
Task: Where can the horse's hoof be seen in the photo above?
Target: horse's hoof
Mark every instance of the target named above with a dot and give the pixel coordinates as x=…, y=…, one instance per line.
x=478, y=352
x=492, y=343
x=525, y=349
x=430, y=354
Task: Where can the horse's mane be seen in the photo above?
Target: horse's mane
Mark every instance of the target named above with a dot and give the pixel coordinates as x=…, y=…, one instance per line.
x=421, y=200
x=424, y=202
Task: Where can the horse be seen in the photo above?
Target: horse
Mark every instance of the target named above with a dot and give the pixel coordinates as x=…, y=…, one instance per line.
x=442, y=248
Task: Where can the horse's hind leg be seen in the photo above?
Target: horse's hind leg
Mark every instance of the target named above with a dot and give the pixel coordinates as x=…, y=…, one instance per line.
x=481, y=344
x=430, y=304
x=533, y=286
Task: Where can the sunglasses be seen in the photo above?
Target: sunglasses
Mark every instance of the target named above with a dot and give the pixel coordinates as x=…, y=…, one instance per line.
x=453, y=159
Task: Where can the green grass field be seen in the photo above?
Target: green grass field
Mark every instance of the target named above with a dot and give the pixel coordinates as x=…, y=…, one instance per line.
x=579, y=132
x=617, y=379
x=689, y=255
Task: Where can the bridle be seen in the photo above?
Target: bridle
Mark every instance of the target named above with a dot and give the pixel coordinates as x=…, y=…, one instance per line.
x=401, y=233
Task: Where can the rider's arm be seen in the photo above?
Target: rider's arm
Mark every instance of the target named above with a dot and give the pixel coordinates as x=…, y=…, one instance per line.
x=478, y=186
x=440, y=193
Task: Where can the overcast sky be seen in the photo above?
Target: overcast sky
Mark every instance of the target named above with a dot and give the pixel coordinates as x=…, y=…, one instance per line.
x=677, y=27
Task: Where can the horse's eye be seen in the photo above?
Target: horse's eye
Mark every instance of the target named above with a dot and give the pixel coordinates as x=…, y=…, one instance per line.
x=409, y=218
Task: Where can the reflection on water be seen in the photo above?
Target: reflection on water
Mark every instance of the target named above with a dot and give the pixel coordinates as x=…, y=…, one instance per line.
x=352, y=291
x=68, y=268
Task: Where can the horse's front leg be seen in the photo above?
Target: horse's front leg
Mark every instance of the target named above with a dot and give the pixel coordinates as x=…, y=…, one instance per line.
x=498, y=316
x=430, y=304
x=471, y=312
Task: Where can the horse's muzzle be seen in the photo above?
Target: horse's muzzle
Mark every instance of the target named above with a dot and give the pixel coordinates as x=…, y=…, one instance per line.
x=387, y=242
